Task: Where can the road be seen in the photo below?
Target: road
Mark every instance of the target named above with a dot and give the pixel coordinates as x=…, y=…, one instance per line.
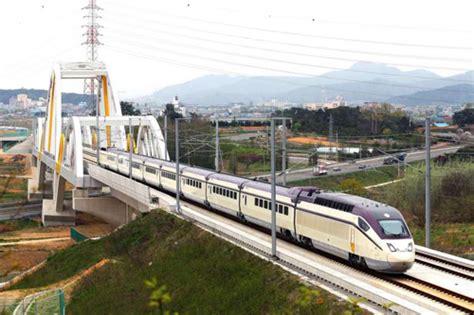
x=300, y=174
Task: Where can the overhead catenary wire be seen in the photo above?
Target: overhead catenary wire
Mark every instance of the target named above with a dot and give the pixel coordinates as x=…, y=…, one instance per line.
x=313, y=18
x=298, y=34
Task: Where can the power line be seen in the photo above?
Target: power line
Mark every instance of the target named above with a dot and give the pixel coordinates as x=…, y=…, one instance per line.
x=318, y=20
x=293, y=44
x=220, y=42
x=218, y=70
x=152, y=47
x=336, y=38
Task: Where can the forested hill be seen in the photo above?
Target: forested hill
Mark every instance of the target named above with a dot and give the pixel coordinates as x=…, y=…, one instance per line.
x=454, y=94
x=34, y=94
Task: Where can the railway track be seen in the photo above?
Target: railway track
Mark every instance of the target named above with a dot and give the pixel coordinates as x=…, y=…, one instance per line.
x=459, y=268
x=432, y=291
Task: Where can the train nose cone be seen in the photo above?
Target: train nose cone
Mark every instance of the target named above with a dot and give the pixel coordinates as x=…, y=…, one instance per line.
x=401, y=261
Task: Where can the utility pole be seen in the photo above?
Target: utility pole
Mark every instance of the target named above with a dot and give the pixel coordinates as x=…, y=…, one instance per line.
x=130, y=147
x=283, y=151
x=176, y=122
x=427, y=184
x=92, y=41
x=217, y=144
x=97, y=127
x=273, y=189
x=166, y=131
x=331, y=123
x=337, y=146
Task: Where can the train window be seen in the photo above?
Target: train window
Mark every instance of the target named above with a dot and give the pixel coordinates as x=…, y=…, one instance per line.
x=260, y=203
x=200, y=185
x=265, y=204
x=245, y=200
x=150, y=170
x=256, y=201
x=363, y=225
x=135, y=165
x=111, y=158
x=227, y=193
x=286, y=210
x=235, y=195
x=280, y=209
x=214, y=189
x=220, y=191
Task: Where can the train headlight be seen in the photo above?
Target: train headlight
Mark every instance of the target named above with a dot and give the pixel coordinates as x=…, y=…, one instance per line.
x=410, y=247
x=391, y=247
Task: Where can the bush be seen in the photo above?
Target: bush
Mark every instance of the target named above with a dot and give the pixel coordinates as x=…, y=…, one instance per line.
x=452, y=193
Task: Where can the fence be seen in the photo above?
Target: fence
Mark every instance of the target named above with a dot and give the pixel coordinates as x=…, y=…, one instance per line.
x=46, y=302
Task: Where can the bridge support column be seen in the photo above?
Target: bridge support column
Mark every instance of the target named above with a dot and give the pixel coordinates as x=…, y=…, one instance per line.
x=107, y=208
x=37, y=183
x=53, y=213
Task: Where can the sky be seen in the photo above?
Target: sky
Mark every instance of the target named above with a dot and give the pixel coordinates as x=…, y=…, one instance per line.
x=149, y=44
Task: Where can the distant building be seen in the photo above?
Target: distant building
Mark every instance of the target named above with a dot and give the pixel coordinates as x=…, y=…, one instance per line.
x=340, y=101
x=21, y=100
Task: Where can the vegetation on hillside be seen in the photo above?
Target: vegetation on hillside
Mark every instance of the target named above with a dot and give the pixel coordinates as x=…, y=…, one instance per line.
x=202, y=274
x=344, y=182
x=464, y=117
x=350, y=121
x=35, y=94
x=452, y=193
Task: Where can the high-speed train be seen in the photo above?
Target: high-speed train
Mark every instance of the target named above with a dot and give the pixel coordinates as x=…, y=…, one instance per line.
x=365, y=232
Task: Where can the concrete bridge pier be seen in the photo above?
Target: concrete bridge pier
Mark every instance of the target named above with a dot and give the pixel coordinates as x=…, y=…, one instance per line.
x=36, y=184
x=107, y=208
x=54, y=212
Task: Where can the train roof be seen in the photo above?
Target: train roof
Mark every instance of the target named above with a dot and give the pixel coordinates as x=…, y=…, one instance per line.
x=267, y=187
x=229, y=178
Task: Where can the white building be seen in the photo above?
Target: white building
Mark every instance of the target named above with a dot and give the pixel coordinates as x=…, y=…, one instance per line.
x=340, y=101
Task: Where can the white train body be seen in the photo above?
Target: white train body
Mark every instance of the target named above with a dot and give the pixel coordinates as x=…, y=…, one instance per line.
x=360, y=230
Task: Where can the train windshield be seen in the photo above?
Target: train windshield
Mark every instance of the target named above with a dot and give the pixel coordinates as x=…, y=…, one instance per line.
x=394, y=229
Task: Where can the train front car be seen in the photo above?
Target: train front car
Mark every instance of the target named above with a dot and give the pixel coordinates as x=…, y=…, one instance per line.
x=397, y=253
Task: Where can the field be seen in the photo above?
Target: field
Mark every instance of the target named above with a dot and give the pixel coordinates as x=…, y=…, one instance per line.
x=365, y=178
x=202, y=273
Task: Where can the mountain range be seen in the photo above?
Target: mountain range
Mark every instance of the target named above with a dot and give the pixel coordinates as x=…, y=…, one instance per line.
x=362, y=82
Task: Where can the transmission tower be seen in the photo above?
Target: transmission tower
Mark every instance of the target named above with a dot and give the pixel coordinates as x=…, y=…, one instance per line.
x=92, y=40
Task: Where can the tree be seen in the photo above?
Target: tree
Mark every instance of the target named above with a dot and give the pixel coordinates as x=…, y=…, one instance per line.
x=128, y=109
x=464, y=117
x=171, y=113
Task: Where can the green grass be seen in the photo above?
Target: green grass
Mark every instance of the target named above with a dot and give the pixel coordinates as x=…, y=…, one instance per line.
x=366, y=178
x=19, y=224
x=203, y=274
x=9, y=184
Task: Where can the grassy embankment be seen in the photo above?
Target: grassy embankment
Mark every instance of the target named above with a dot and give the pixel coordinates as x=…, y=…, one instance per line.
x=365, y=178
x=452, y=200
x=203, y=274
x=16, y=225
x=13, y=189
